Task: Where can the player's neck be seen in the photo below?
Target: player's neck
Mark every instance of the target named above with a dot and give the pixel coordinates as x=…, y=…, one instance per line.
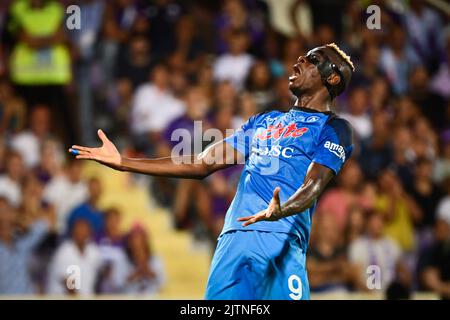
x=317, y=102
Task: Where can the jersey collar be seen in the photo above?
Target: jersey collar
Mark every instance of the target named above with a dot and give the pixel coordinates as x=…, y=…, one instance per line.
x=311, y=110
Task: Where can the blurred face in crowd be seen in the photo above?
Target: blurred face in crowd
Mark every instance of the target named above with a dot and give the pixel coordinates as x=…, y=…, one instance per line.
x=178, y=82
x=326, y=229
x=197, y=104
x=124, y=89
x=419, y=80
x=205, y=75
x=292, y=49
x=406, y=110
x=163, y=2
x=32, y=189
x=112, y=222
x=422, y=129
x=358, y=101
x=260, y=75
x=442, y=230
x=446, y=150
x=424, y=169
x=185, y=30
x=40, y=120
x=74, y=171
x=389, y=182
x=356, y=220
x=15, y=167
x=325, y=34
x=5, y=89
x=402, y=139
x=139, y=50
x=95, y=190
x=380, y=125
x=247, y=105
x=124, y=3
x=417, y=5
x=398, y=38
x=138, y=246
x=223, y=117
x=141, y=24
x=81, y=232
x=226, y=94
x=7, y=218
x=351, y=176
x=368, y=195
x=283, y=91
x=446, y=185
x=371, y=56
x=235, y=13
x=379, y=92
x=160, y=77
x=375, y=225
x=51, y=157
x=421, y=149
x=238, y=43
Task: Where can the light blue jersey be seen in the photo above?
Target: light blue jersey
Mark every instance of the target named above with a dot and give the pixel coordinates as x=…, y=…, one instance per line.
x=279, y=148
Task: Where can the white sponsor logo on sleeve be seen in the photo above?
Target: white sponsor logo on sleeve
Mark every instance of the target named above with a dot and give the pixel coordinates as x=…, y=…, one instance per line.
x=336, y=149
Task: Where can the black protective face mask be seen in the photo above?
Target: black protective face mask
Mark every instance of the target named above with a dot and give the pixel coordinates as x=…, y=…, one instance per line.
x=326, y=68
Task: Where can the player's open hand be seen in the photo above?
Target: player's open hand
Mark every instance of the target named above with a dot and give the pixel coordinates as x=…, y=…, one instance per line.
x=106, y=154
x=272, y=213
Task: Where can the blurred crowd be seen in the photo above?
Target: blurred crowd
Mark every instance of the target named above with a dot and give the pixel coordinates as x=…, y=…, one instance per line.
x=141, y=69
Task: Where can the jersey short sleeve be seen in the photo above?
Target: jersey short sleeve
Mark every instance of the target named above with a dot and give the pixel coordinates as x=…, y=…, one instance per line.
x=242, y=138
x=335, y=144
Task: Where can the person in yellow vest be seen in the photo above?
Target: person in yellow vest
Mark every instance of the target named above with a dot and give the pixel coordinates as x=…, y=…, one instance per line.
x=40, y=61
x=399, y=210
x=40, y=55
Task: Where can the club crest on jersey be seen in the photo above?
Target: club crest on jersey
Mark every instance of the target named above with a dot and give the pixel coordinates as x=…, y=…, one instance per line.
x=280, y=131
x=336, y=149
x=312, y=119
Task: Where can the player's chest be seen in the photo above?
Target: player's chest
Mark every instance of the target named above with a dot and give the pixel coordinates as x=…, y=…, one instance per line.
x=287, y=138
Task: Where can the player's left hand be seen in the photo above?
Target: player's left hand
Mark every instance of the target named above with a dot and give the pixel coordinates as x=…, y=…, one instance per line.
x=272, y=213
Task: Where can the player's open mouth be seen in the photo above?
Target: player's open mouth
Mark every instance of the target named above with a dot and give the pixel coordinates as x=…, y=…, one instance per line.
x=295, y=75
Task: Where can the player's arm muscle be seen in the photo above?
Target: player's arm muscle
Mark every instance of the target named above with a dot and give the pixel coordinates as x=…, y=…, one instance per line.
x=218, y=156
x=315, y=181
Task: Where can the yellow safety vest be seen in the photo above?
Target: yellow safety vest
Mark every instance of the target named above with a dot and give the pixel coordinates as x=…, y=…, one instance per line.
x=39, y=66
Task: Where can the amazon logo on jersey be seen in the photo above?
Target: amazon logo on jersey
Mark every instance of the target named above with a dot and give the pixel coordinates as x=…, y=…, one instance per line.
x=336, y=149
x=278, y=131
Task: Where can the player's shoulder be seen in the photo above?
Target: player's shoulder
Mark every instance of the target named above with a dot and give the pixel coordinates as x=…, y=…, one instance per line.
x=340, y=127
x=336, y=121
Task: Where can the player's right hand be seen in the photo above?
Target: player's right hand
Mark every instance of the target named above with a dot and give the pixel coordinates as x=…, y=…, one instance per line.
x=272, y=213
x=106, y=154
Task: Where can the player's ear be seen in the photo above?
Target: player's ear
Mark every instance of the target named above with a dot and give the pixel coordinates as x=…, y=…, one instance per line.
x=334, y=79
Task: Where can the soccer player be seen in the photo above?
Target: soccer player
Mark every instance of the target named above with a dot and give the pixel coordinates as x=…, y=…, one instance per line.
x=289, y=159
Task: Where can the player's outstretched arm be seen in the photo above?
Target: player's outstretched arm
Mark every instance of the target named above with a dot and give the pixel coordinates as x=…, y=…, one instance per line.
x=315, y=181
x=217, y=156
